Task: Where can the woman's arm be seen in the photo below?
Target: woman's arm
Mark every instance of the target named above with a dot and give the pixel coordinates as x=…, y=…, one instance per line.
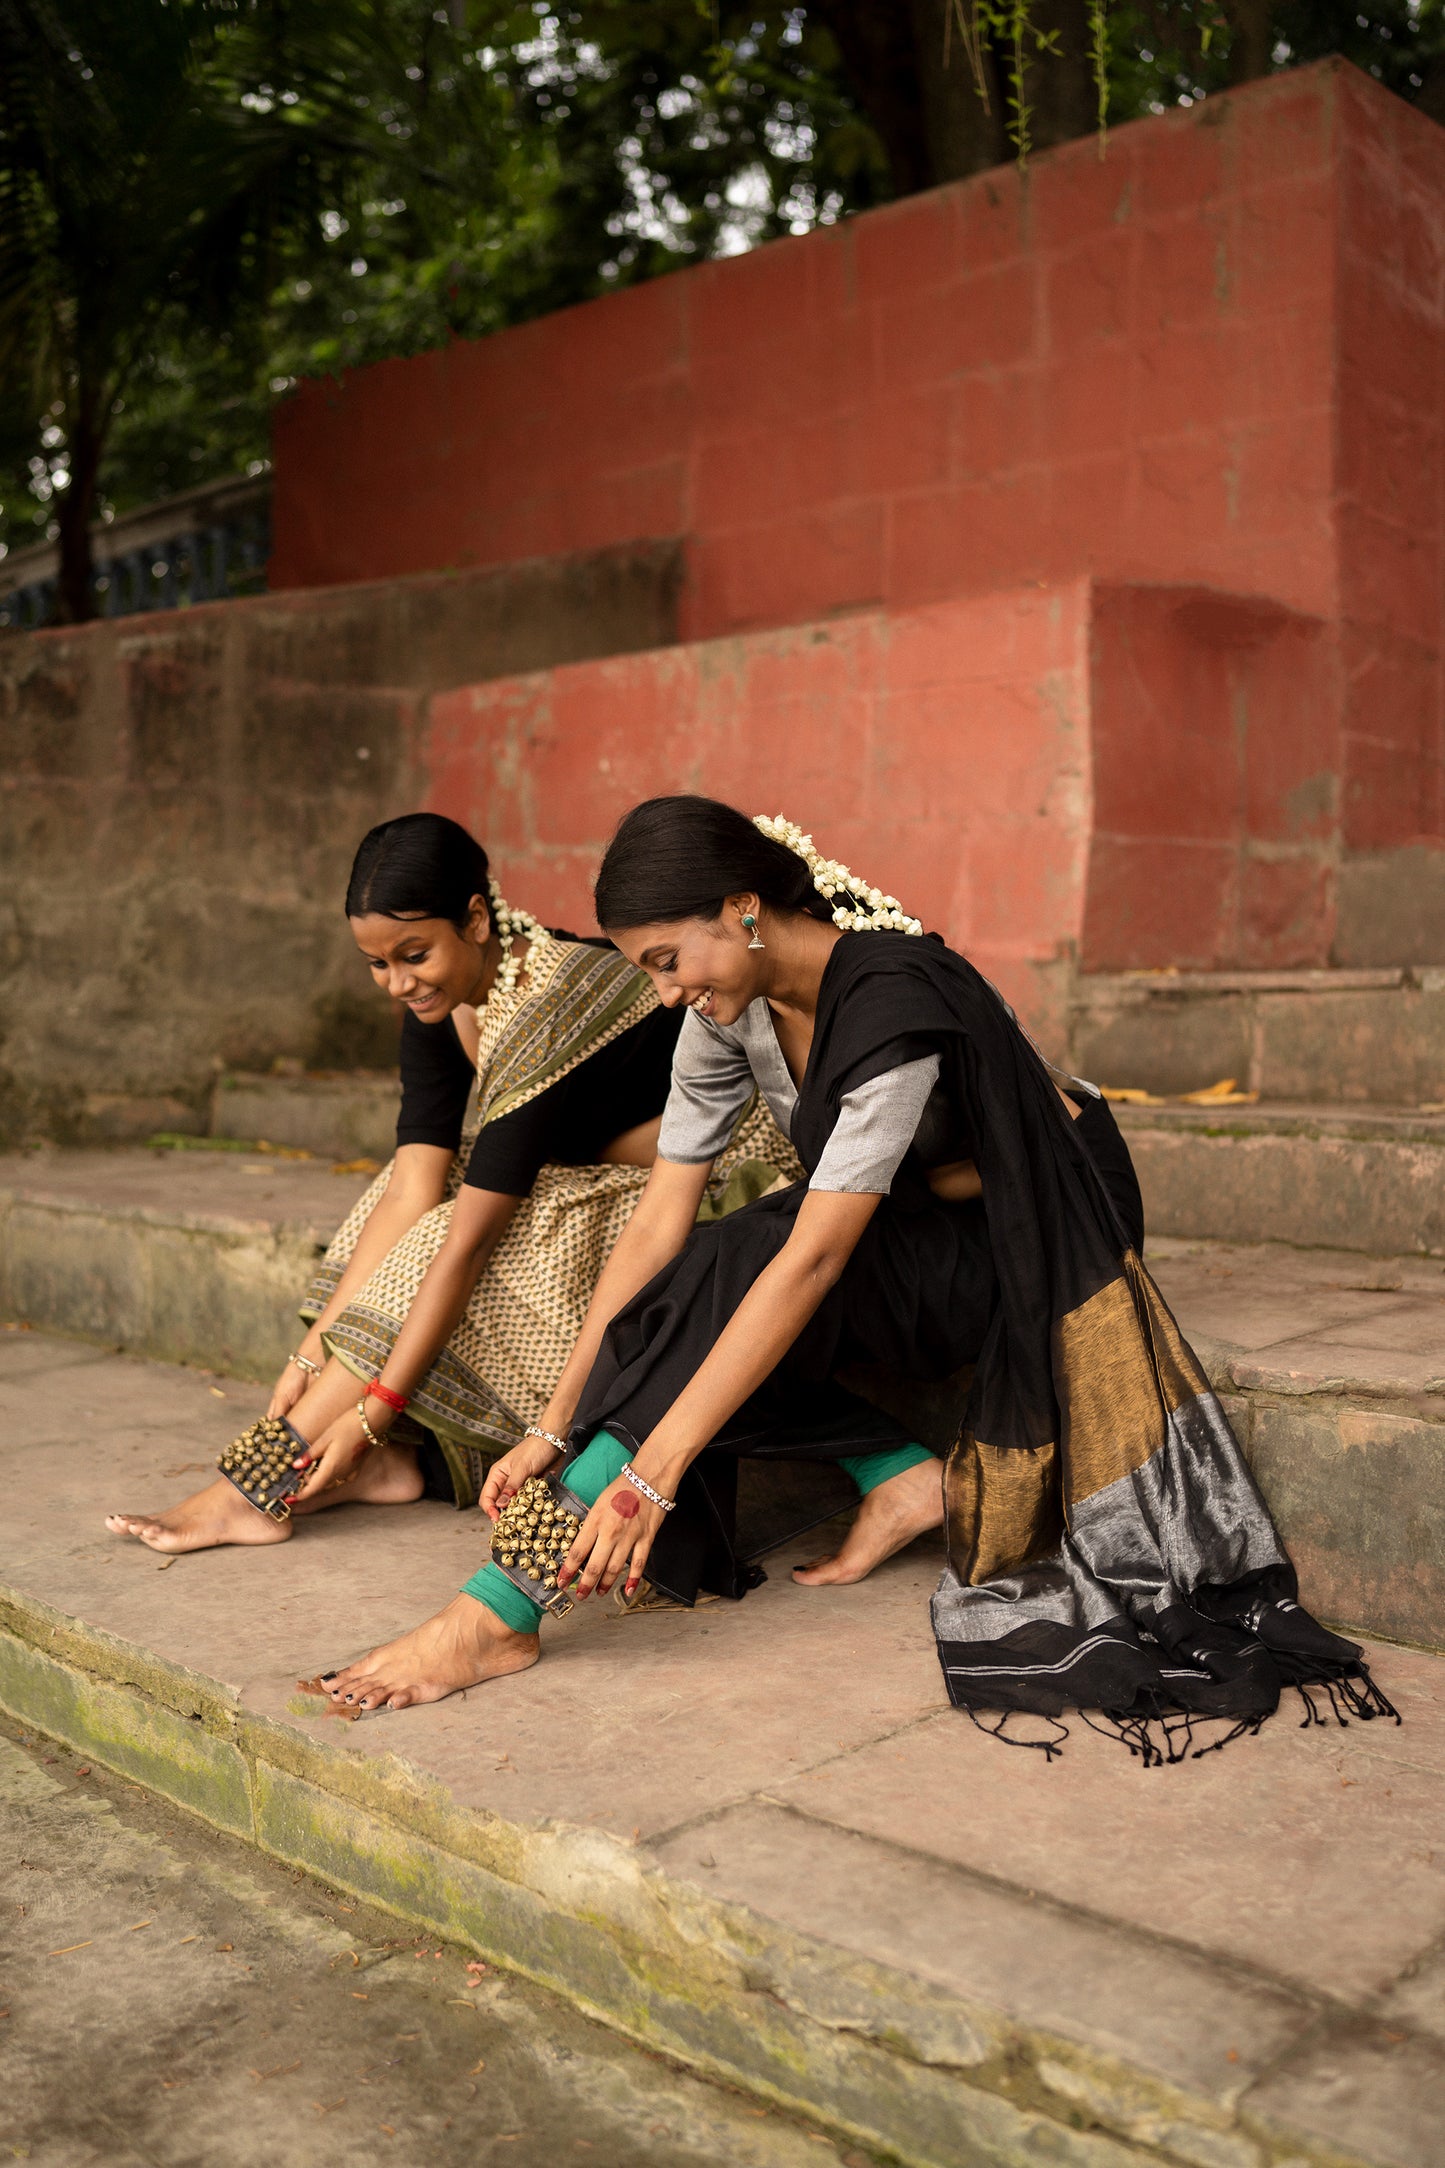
x=758, y=1335
x=418, y=1181
x=661, y=1222
x=480, y=1217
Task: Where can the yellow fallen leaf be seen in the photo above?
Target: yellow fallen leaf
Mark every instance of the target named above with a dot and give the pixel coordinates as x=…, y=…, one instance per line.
x=1226, y=1093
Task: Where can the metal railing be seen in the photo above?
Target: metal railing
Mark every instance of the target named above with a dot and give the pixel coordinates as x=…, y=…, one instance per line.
x=202, y=546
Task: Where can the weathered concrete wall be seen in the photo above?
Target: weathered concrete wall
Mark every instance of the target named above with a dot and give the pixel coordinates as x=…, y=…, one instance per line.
x=181, y=797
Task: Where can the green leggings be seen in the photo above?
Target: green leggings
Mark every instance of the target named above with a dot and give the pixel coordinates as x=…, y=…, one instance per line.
x=602, y=1463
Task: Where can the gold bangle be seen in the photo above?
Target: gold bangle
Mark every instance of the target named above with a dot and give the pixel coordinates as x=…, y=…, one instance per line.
x=304, y=1362
x=371, y=1437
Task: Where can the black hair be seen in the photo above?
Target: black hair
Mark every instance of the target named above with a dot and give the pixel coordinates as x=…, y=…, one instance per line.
x=683, y=857
x=419, y=866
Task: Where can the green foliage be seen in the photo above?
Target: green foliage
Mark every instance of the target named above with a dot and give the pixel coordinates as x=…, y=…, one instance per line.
x=147, y=178
x=487, y=171
x=1167, y=50
x=1099, y=60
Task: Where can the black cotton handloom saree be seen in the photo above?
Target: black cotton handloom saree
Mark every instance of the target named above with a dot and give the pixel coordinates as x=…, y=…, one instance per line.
x=1108, y=1547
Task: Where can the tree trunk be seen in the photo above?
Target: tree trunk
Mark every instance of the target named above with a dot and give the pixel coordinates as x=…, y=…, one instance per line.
x=930, y=119
x=76, y=507
x=908, y=66
x=1251, y=40
x=962, y=134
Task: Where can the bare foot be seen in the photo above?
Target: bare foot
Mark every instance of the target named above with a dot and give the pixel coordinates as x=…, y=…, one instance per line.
x=389, y=1476
x=218, y=1514
x=464, y=1645
x=906, y=1506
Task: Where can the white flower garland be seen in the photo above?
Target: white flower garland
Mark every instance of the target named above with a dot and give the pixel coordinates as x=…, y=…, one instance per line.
x=508, y=924
x=865, y=910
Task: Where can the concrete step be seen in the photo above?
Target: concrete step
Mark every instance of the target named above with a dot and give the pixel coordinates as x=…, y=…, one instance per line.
x=1346, y=1037
x=1333, y=1365
x=343, y=1114
x=806, y=1876
x=188, y=1256
x=1351, y=1178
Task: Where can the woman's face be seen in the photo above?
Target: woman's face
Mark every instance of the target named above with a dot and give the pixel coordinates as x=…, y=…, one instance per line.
x=704, y=963
x=428, y=963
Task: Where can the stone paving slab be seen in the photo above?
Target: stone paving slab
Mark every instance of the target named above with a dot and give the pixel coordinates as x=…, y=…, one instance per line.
x=806, y=1874
x=208, y=2005
x=1318, y=1321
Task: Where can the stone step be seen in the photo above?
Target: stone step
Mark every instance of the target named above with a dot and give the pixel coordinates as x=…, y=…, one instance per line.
x=806, y=1875
x=1350, y=1178
x=346, y=1114
x=188, y=1256
x=1333, y=1365
x=1331, y=1037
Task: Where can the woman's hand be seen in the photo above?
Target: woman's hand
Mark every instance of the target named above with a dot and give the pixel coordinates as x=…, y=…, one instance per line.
x=618, y=1532
x=337, y=1454
x=293, y=1380
x=505, y=1477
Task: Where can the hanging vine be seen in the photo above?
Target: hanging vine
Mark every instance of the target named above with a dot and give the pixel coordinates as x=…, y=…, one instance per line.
x=1009, y=25
x=1099, y=54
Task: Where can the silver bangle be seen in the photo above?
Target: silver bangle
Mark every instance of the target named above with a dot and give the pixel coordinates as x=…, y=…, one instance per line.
x=371, y=1437
x=647, y=1490
x=304, y=1362
x=550, y=1437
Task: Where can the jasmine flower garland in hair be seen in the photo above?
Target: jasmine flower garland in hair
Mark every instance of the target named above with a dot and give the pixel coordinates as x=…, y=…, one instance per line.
x=509, y=923
x=862, y=909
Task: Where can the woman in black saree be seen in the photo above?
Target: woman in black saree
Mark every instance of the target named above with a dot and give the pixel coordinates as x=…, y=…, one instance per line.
x=1107, y=1545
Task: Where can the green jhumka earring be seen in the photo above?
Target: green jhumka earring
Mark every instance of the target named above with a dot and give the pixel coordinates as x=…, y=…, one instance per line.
x=752, y=925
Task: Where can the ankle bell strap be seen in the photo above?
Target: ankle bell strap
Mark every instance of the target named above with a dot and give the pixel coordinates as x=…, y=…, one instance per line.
x=533, y=1534
x=259, y=1464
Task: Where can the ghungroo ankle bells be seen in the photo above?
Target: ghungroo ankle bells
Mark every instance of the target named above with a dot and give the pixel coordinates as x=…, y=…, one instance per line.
x=259, y=1464
x=533, y=1534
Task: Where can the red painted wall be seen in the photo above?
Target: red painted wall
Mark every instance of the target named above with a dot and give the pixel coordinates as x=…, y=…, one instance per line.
x=943, y=751
x=1120, y=366
x=1211, y=360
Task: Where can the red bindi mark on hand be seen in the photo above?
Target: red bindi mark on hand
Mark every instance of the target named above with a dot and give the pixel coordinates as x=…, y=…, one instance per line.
x=624, y=1505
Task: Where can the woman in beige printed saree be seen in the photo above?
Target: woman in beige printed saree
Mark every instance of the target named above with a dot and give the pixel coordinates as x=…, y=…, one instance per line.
x=479, y=1245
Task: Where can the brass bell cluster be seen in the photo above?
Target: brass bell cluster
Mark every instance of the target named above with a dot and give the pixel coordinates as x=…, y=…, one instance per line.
x=534, y=1532
x=260, y=1459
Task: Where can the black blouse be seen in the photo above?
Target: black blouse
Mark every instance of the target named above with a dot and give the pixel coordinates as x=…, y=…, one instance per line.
x=570, y=1124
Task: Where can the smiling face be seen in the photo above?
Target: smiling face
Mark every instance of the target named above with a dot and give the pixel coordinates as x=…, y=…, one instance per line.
x=427, y=963
x=704, y=963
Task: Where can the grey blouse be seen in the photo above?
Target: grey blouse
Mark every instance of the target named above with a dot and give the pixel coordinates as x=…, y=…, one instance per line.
x=717, y=1067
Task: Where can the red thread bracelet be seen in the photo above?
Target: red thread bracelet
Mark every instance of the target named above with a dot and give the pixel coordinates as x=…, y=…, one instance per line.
x=377, y=1391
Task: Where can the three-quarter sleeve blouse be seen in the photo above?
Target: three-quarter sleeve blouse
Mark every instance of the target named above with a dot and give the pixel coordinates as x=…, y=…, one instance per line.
x=717, y=1067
